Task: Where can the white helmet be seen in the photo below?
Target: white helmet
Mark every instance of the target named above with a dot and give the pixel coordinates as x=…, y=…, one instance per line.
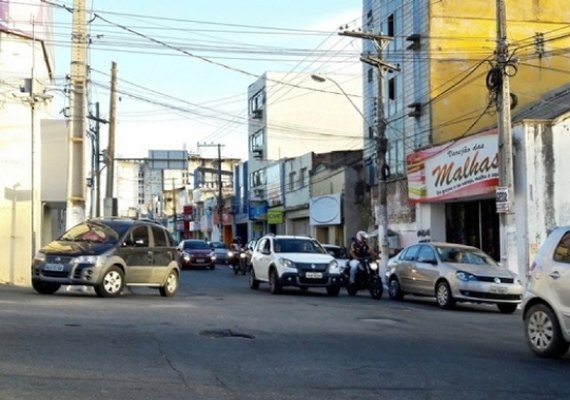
x=361, y=236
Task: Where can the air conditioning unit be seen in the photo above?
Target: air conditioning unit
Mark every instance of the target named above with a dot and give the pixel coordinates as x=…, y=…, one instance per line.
x=257, y=114
x=257, y=153
x=258, y=192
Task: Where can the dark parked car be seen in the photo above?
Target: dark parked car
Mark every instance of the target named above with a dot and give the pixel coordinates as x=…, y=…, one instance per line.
x=195, y=253
x=108, y=254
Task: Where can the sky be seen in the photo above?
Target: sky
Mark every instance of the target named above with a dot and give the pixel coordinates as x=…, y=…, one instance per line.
x=184, y=65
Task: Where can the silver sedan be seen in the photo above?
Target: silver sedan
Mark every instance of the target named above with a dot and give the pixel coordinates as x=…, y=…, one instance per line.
x=451, y=273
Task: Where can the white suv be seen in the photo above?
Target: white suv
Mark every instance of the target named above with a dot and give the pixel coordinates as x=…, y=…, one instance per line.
x=293, y=261
x=546, y=302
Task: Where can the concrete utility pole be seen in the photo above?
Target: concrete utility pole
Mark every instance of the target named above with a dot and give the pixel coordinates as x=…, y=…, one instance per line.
x=381, y=139
x=505, y=191
x=110, y=208
x=220, y=200
x=75, y=204
x=96, y=162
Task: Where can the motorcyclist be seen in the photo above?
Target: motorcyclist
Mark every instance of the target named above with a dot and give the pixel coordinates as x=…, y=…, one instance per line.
x=235, y=246
x=359, y=249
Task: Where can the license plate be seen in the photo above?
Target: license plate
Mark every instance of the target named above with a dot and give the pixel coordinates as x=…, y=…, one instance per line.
x=314, y=275
x=53, y=267
x=498, y=289
x=200, y=260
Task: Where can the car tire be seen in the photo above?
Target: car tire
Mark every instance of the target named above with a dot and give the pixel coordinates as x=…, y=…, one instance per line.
x=274, y=284
x=45, y=287
x=253, y=283
x=170, y=286
x=542, y=332
x=333, y=291
x=507, y=308
x=394, y=289
x=112, y=283
x=443, y=296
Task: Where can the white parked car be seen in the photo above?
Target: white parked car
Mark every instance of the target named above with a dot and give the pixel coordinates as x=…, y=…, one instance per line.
x=293, y=261
x=546, y=301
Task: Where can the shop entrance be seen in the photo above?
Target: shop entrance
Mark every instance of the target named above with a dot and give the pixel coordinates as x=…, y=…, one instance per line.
x=475, y=223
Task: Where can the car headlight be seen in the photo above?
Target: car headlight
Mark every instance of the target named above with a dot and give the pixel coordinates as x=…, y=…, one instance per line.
x=334, y=268
x=92, y=260
x=186, y=257
x=39, y=257
x=285, y=262
x=243, y=255
x=465, y=276
x=230, y=254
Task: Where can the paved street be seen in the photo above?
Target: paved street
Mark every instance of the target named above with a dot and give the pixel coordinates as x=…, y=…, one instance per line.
x=218, y=339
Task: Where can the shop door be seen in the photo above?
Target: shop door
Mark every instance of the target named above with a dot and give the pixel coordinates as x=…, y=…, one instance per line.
x=475, y=223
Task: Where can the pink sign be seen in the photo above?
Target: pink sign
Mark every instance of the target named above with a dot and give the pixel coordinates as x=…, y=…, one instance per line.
x=463, y=168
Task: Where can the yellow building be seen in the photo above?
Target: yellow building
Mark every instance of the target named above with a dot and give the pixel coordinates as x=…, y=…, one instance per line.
x=440, y=110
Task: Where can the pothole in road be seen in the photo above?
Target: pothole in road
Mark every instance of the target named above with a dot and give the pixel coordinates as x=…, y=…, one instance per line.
x=225, y=333
x=383, y=321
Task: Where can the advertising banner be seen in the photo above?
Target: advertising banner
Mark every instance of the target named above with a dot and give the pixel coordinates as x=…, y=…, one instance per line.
x=325, y=210
x=463, y=168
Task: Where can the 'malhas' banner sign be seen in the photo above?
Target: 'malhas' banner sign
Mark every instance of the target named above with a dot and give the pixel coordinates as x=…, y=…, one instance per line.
x=466, y=167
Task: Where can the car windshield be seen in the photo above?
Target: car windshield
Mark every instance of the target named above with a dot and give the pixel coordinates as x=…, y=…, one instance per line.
x=464, y=255
x=91, y=232
x=196, y=245
x=337, y=252
x=297, y=246
x=218, y=245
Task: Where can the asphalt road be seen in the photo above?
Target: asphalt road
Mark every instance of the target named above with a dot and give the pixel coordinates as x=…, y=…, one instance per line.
x=218, y=339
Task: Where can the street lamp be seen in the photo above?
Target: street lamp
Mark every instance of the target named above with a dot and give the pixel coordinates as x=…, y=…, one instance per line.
x=381, y=165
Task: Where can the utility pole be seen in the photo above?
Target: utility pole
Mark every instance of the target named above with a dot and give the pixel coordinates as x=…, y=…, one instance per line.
x=96, y=162
x=505, y=191
x=110, y=204
x=75, y=204
x=382, y=169
x=220, y=200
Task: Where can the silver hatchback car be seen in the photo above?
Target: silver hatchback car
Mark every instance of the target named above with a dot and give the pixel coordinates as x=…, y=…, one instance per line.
x=451, y=273
x=546, y=301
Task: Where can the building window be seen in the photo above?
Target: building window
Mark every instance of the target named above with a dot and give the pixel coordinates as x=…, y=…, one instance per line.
x=370, y=75
x=390, y=23
x=303, y=178
x=256, y=102
x=292, y=177
x=392, y=88
x=256, y=140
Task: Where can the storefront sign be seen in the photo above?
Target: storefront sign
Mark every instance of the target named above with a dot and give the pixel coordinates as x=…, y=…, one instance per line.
x=275, y=216
x=466, y=167
x=257, y=210
x=325, y=210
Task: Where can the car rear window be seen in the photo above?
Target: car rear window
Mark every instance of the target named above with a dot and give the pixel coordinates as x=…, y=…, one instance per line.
x=196, y=245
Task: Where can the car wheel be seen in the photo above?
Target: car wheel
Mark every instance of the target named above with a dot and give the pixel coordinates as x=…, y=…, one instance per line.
x=443, y=296
x=394, y=290
x=274, y=284
x=112, y=283
x=253, y=283
x=45, y=287
x=170, y=286
x=507, y=308
x=333, y=291
x=542, y=331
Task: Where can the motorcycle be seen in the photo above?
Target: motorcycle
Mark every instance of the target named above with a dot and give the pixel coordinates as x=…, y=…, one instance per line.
x=238, y=261
x=367, y=278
